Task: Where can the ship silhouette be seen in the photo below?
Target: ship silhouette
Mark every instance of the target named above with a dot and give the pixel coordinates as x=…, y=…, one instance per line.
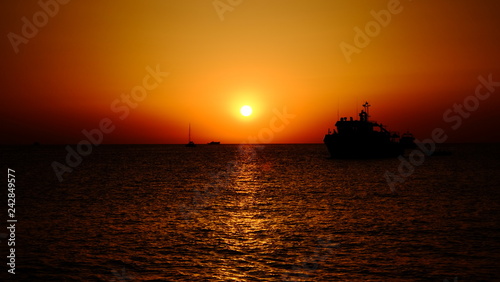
x=362, y=139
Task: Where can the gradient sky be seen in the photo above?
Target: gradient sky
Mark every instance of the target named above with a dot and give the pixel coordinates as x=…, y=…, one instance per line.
x=270, y=55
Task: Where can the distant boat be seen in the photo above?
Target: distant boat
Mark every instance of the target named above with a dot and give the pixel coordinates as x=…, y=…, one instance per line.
x=190, y=143
x=407, y=140
x=214, y=143
x=362, y=139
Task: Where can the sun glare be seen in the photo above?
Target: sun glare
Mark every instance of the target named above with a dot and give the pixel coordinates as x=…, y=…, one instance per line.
x=246, y=110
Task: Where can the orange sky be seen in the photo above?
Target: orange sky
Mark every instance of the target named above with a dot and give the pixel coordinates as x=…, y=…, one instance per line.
x=271, y=55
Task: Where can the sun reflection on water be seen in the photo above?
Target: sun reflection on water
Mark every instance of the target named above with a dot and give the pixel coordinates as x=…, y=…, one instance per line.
x=243, y=224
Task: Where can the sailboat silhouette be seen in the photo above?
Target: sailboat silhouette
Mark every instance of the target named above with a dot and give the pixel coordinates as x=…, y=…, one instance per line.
x=190, y=143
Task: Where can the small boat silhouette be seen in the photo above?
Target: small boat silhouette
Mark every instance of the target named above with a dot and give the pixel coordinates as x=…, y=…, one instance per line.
x=407, y=140
x=190, y=143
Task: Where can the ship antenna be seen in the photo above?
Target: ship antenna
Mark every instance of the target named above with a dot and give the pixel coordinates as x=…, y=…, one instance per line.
x=366, y=106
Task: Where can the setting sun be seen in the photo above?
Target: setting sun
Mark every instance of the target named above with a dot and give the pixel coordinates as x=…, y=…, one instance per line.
x=246, y=110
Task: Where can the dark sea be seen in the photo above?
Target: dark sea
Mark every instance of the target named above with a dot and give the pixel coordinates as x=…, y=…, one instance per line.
x=251, y=213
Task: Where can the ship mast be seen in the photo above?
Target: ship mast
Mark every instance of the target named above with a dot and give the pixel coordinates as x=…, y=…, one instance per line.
x=366, y=106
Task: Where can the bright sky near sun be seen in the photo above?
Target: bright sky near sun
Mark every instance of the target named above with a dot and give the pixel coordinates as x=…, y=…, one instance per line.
x=67, y=65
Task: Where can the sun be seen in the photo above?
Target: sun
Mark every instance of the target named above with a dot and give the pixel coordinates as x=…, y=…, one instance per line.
x=246, y=110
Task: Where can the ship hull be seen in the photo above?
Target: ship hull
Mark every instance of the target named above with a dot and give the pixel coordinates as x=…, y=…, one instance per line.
x=341, y=147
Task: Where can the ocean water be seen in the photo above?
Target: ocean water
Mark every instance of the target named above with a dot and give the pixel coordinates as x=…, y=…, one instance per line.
x=252, y=213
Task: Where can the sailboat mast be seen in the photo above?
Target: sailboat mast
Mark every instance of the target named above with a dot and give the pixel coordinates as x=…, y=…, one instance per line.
x=189, y=133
